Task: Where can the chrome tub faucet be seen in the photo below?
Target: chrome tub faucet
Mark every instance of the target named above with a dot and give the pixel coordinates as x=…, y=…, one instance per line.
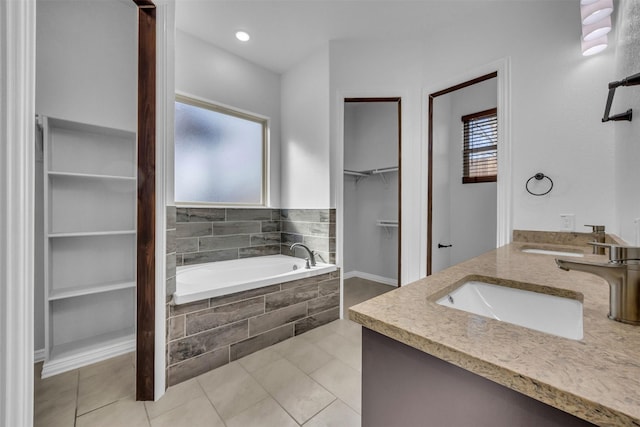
x=310, y=260
x=622, y=272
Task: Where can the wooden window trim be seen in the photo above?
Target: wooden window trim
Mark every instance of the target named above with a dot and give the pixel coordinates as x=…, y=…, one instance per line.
x=466, y=179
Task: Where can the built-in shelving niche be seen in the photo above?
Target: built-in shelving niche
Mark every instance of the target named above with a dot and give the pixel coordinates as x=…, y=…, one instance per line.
x=90, y=239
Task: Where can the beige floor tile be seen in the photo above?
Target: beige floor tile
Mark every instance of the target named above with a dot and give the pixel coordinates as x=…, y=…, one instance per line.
x=357, y=290
x=55, y=384
x=303, y=398
x=55, y=399
x=196, y=413
x=318, y=333
x=105, y=388
x=175, y=396
x=260, y=358
x=341, y=380
x=298, y=394
x=338, y=414
x=306, y=355
x=266, y=413
x=58, y=414
x=344, y=349
x=348, y=329
x=123, y=413
x=231, y=389
x=112, y=366
x=278, y=374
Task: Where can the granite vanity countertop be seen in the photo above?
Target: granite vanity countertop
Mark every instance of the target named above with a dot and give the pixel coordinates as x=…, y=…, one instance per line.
x=596, y=378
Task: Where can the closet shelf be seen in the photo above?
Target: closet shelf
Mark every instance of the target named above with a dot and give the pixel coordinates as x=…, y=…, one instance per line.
x=78, y=291
x=92, y=176
x=92, y=233
x=366, y=173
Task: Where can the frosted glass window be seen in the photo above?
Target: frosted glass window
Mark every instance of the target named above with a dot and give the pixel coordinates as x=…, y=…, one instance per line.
x=219, y=155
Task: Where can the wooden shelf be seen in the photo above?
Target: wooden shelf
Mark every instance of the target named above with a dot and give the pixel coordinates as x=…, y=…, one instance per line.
x=77, y=291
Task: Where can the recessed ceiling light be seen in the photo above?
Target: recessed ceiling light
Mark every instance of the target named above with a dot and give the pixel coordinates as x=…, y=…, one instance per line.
x=243, y=36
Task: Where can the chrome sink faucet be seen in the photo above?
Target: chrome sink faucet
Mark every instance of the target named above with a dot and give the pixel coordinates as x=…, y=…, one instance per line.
x=622, y=272
x=598, y=233
x=311, y=259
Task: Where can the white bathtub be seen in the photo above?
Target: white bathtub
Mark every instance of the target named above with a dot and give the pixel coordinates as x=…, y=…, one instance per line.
x=202, y=281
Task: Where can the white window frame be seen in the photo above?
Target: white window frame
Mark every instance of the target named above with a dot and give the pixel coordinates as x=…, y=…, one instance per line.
x=242, y=114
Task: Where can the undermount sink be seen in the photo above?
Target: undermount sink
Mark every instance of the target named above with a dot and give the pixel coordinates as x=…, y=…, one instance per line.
x=553, y=252
x=543, y=312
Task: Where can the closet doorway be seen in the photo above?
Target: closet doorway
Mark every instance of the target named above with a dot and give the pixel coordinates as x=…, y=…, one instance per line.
x=371, y=197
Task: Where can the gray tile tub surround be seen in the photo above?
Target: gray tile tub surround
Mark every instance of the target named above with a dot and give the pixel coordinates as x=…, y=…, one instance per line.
x=220, y=234
x=206, y=334
x=170, y=251
x=316, y=228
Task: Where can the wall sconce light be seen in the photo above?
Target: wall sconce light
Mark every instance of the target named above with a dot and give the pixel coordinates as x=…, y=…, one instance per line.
x=595, y=11
x=591, y=47
x=597, y=29
x=596, y=24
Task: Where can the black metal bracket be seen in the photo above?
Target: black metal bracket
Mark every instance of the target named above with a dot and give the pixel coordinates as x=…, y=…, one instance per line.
x=627, y=115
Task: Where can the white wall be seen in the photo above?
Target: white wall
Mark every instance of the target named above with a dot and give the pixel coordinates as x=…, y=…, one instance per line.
x=627, y=134
x=305, y=154
x=473, y=206
x=370, y=142
x=206, y=71
x=82, y=74
x=556, y=106
x=384, y=69
x=374, y=140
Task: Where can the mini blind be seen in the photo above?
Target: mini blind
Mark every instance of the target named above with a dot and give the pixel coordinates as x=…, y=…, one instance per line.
x=480, y=147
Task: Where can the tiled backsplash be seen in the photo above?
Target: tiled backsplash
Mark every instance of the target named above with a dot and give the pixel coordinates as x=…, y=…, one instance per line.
x=219, y=234
x=316, y=228
x=206, y=334
x=171, y=251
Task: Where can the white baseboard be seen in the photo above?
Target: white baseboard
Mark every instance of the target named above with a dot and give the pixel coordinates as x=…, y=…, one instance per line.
x=373, y=277
x=88, y=357
x=38, y=355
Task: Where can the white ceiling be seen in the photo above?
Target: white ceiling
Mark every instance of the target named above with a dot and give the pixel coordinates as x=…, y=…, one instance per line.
x=284, y=33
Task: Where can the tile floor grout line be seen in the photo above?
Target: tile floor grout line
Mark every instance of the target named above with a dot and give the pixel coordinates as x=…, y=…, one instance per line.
x=270, y=395
x=308, y=376
x=75, y=412
x=207, y=396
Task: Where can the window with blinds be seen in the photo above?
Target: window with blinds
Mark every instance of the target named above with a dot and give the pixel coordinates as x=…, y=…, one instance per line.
x=480, y=147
